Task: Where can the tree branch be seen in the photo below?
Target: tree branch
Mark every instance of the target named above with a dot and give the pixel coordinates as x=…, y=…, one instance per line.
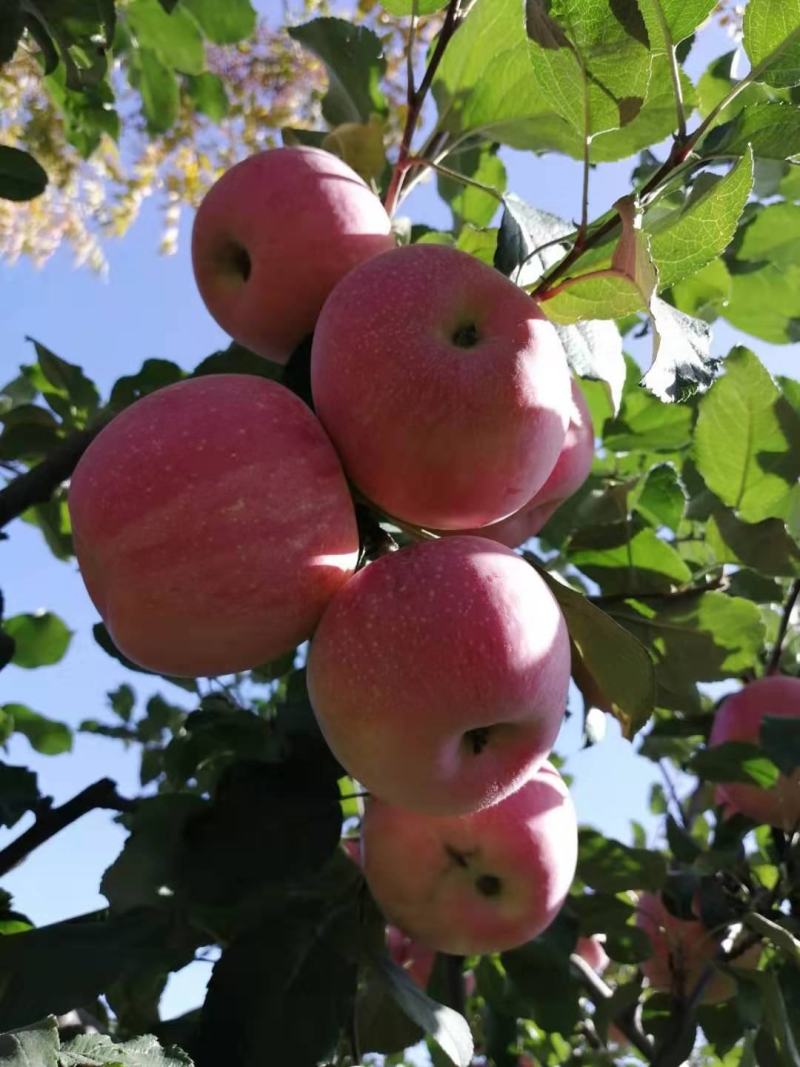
x=50, y=821
x=598, y=992
x=791, y=600
x=38, y=484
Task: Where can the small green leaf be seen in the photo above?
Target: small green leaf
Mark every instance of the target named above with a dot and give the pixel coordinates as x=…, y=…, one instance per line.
x=770, y=127
x=159, y=89
x=662, y=499
x=734, y=761
x=175, y=39
x=18, y=793
x=747, y=441
x=468, y=203
x=21, y=177
x=353, y=56
x=611, y=867
x=448, y=1029
x=223, y=23
x=772, y=32
x=41, y=639
x=208, y=94
x=612, y=668
x=122, y=701
x=780, y=739
x=45, y=736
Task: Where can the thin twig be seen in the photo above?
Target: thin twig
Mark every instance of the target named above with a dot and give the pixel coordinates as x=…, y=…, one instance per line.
x=598, y=992
x=51, y=821
x=675, y=70
x=675, y=594
x=673, y=793
x=791, y=600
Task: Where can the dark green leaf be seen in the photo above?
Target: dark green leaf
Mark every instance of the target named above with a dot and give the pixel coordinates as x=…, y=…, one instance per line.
x=611, y=668
x=735, y=761
x=12, y=23
x=354, y=59
x=224, y=23
x=208, y=95
x=780, y=740
x=448, y=1029
x=45, y=736
x=18, y=793
x=122, y=701
x=622, y=561
x=66, y=380
x=41, y=639
x=21, y=177
x=540, y=976
x=610, y=866
x=765, y=546
x=153, y=374
x=772, y=128
x=662, y=499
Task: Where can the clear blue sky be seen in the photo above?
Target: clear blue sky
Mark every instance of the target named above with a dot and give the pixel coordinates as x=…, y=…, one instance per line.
x=149, y=308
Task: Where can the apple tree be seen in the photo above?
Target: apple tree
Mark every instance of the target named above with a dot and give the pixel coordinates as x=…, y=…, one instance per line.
x=442, y=483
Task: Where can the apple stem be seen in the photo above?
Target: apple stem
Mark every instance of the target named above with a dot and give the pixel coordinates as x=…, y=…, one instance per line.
x=775, y=659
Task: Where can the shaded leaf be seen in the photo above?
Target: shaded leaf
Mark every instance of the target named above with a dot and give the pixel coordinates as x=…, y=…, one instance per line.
x=735, y=761
x=41, y=639
x=18, y=793
x=21, y=177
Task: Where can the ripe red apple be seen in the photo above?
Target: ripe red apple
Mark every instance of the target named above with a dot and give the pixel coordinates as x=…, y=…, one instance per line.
x=442, y=385
x=212, y=525
x=739, y=718
x=682, y=949
x=439, y=674
x=482, y=882
x=570, y=472
x=273, y=237
x=417, y=959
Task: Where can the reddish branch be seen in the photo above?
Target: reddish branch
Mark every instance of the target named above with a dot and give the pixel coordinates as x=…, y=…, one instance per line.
x=37, y=485
x=50, y=820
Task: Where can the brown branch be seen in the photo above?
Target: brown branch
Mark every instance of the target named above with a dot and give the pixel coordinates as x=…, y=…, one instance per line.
x=50, y=821
x=791, y=600
x=625, y=1021
x=675, y=594
x=416, y=98
x=38, y=484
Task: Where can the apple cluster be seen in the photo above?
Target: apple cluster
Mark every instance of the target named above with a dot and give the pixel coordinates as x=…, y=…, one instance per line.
x=215, y=528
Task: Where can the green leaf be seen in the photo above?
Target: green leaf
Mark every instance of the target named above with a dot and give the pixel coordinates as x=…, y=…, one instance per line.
x=41, y=639
x=175, y=39
x=765, y=546
x=32, y=1046
x=772, y=29
x=611, y=867
x=765, y=302
x=662, y=500
x=122, y=701
x=468, y=203
x=52, y=519
x=354, y=59
x=153, y=374
x=224, y=23
x=682, y=361
x=671, y=21
x=21, y=177
x=625, y=562
x=771, y=128
x=612, y=669
x=646, y=424
x=705, y=293
x=747, y=441
x=99, y=1049
x=448, y=1029
x=734, y=761
x=603, y=294
x=18, y=793
x=681, y=244
x=45, y=736
x=63, y=379
x=159, y=88
x=780, y=739
x=772, y=235
x=50, y=969
x=208, y=95
x=541, y=978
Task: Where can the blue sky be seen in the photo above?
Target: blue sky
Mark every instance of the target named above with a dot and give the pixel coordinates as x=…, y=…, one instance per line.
x=149, y=307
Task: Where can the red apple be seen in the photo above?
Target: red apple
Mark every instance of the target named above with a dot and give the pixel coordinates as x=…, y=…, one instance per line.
x=273, y=237
x=439, y=674
x=442, y=385
x=482, y=882
x=682, y=949
x=570, y=472
x=739, y=718
x=417, y=959
x=212, y=525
